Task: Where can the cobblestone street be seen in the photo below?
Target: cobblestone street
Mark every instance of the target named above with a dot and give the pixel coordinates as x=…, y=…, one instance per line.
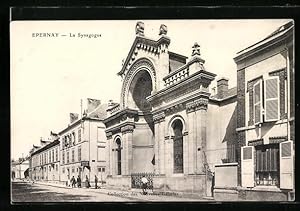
x=28, y=192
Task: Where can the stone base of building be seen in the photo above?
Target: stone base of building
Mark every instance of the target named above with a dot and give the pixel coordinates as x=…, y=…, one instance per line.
x=119, y=182
x=180, y=183
x=252, y=194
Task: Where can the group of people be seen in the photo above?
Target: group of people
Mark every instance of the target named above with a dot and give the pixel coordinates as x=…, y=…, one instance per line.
x=77, y=181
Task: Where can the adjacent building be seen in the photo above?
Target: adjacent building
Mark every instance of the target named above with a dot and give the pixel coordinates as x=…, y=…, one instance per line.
x=83, y=145
x=265, y=118
x=19, y=169
x=45, y=160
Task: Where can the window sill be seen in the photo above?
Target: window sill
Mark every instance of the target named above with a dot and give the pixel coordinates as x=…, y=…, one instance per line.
x=262, y=188
x=177, y=175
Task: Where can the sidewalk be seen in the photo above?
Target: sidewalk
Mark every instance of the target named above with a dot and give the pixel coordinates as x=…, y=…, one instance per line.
x=136, y=194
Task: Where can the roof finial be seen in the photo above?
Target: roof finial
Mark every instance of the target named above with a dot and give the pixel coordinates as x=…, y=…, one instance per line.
x=163, y=29
x=139, y=28
x=196, y=49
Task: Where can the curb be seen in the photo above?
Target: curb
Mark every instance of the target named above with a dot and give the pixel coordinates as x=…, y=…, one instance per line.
x=126, y=192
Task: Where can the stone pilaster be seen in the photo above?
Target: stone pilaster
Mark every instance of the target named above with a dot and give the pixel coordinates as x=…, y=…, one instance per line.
x=168, y=156
x=197, y=111
x=201, y=115
x=161, y=147
x=156, y=148
x=109, y=153
x=185, y=153
x=159, y=119
x=127, y=149
x=190, y=114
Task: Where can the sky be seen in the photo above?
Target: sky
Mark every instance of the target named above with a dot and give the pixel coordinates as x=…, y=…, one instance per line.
x=50, y=75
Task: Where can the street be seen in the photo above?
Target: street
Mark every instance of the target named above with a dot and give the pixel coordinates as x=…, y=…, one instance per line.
x=28, y=192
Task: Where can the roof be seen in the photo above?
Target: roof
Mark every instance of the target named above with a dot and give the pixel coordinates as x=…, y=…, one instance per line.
x=230, y=93
x=53, y=143
x=98, y=113
x=277, y=33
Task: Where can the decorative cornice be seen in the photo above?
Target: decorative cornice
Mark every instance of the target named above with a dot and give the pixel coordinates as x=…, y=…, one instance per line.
x=109, y=135
x=198, y=104
x=127, y=111
x=118, y=128
x=175, y=108
x=159, y=117
x=147, y=44
x=193, y=81
x=127, y=129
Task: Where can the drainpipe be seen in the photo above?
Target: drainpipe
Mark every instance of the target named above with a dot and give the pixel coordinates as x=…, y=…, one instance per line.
x=90, y=151
x=288, y=93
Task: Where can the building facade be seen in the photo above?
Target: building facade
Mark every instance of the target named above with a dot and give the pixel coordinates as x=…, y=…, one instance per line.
x=265, y=122
x=167, y=125
x=19, y=169
x=83, y=145
x=45, y=162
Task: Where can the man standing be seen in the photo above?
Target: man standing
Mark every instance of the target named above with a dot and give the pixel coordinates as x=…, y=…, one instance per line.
x=78, y=182
x=96, y=181
x=87, y=183
x=73, y=182
x=144, y=184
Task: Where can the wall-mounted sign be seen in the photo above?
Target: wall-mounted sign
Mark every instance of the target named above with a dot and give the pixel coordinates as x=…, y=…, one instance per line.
x=84, y=163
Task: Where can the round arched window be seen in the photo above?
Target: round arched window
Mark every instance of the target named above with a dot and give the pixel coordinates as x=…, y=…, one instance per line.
x=178, y=146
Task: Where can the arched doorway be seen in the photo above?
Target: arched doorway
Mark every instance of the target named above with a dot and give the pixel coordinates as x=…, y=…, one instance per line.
x=140, y=88
x=119, y=158
x=177, y=127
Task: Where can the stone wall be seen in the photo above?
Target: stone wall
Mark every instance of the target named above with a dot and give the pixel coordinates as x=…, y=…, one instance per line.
x=181, y=183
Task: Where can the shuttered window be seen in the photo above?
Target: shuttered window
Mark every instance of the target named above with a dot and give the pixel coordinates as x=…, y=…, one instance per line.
x=79, y=135
x=79, y=153
x=286, y=149
x=286, y=165
x=271, y=99
x=68, y=158
x=63, y=157
x=247, y=153
x=257, y=101
x=267, y=165
x=247, y=168
x=73, y=155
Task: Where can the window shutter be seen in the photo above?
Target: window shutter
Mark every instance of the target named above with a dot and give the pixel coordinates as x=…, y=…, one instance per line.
x=271, y=103
x=247, y=166
x=286, y=165
x=257, y=101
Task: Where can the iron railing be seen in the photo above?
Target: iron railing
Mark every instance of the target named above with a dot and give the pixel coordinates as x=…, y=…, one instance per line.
x=136, y=180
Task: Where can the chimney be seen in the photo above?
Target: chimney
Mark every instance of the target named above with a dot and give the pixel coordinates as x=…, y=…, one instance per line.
x=92, y=104
x=222, y=87
x=73, y=117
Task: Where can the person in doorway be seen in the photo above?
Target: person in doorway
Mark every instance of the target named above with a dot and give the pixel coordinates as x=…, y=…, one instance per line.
x=73, y=182
x=87, y=183
x=78, y=182
x=144, y=184
x=96, y=181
